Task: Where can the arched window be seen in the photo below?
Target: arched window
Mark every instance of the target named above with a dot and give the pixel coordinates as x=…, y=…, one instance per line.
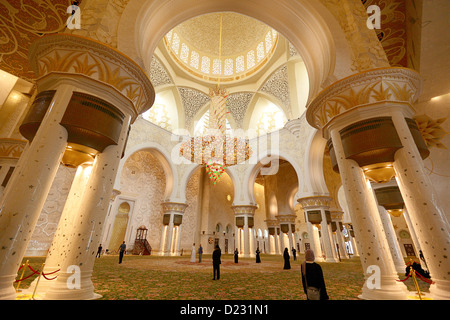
x=184, y=53
x=250, y=59
x=228, y=67
x=206, y=64
x=195, y=59
x=175, y=43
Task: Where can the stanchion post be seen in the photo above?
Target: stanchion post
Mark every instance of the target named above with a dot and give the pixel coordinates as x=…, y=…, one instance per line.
x=37, y=282
x=415, y=282
x=21, y=277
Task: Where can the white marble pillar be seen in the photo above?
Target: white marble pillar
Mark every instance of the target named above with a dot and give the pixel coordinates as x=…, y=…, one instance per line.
x=245, y=212
x=323, y=245
x=87, y=227
x=26, y=193
x=353, y=242
x=171, y=236
x=341, y=242
x=59, y=243
x=313, y=240
x=425, y=211
x=411, y=230
x=327, y=239
x=392, y=240
x=372, y=244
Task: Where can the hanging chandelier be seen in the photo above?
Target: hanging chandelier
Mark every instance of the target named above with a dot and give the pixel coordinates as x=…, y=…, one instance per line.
x=216, y=150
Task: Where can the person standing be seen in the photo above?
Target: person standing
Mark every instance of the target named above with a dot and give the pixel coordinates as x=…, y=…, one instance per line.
x=216, y=262
x=122, y=249
x=200, y=252
x=236, y=255
x=287, y=263
x=99, y=251
x=312, y=278
x=193, y=253
x=294, y=253
x=258, y=259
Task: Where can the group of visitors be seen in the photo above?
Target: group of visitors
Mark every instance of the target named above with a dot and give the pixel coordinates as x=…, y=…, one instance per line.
x=311, y=272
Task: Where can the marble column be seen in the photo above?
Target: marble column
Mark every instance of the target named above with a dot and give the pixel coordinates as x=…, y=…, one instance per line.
x=60, y=239
x=287, y=226
x=372, y=139
x=412, y=231
x=271, y=226
x=84, y=237
x=392, y=240
x=327, y=236
x=425, y=211
x=173, y=215
x=313, y=239
x=320, y=204
x=95, y=110
x=371, y=241
x=351, y=236
x=336, y=216
x=25, y=195
x=244, y=221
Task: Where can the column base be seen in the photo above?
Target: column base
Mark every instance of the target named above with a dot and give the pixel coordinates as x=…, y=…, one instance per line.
x=44, y=284
x=7, y=291
x=389, y=289
x=440, y=290
x=61, y=290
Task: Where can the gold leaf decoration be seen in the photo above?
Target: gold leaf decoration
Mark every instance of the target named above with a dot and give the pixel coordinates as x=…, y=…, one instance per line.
x=431, y=130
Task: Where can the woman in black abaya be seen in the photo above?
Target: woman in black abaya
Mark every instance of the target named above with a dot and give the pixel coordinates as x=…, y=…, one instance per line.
x=287, y=263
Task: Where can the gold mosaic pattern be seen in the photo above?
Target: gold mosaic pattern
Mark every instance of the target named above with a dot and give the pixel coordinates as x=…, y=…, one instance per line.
x=21, y=23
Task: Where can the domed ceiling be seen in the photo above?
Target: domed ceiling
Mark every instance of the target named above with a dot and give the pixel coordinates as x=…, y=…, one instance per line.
x=241, y=43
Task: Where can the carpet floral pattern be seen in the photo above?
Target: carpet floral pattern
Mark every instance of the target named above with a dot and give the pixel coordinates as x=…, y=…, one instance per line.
x=175, y=278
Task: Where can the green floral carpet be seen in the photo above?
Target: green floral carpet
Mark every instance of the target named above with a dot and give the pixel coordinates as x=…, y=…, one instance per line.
x=175, y=278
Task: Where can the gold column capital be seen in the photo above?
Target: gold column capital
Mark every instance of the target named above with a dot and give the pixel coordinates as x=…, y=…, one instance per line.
x=314, y=202
x=367, y=88
x=72, y=54
x=176, y=207
x=248, y=209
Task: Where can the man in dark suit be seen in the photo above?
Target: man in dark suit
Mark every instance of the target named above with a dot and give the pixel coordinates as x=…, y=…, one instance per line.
x=122, y=249
x=216, y=262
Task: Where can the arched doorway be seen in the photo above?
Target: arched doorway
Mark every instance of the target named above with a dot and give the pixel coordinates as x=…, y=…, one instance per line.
x=119, y=228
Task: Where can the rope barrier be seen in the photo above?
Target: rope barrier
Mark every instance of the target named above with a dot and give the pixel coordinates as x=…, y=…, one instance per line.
x=414, y=273
x=37, y=272
x=420, y=276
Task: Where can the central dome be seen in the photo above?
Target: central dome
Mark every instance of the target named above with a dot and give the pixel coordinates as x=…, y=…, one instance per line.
x=239, y=33
x=243, y=45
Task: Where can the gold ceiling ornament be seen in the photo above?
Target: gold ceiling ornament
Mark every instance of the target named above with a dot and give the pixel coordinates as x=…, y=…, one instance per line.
x=77, y=154
x=216, y=150
x=395, y=212
x=379, y=172
x=431, y=130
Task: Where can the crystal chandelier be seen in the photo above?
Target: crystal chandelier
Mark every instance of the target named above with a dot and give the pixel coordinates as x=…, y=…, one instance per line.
x=216, y=150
